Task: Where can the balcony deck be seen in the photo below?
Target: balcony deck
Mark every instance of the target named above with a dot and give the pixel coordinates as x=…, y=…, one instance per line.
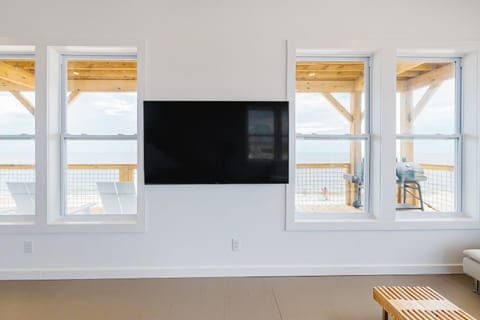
x=320, y=188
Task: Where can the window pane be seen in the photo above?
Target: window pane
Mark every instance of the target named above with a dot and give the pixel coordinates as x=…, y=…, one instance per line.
x=330, y=100
x=330, y=176
x=425, y=97
x=17, y=177
x=101, y=97
x=330, y=97
x=17, y=157
x=101, y=177
x=17, y=96
x=426, y=168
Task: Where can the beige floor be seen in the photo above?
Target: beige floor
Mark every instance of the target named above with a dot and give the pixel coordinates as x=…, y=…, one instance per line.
x=282, y=298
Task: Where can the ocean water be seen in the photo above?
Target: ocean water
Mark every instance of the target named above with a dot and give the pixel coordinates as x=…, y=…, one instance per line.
x=344, y=157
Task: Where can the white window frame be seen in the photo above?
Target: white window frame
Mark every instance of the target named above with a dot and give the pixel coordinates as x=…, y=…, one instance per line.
x=366, y=137
x=48, y=102
x=384, y=55
x=65, y=136
x=20, y=218
x=467, y=214
x=457, y=136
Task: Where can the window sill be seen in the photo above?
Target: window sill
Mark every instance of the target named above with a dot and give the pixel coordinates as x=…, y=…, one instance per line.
x=444, y=221
x=74, y=224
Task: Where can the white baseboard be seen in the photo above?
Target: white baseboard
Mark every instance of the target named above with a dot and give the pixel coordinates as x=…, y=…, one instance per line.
x=225, y=271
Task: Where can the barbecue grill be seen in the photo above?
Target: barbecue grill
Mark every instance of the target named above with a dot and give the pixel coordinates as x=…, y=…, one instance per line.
x=357, y=180
x=409, y=174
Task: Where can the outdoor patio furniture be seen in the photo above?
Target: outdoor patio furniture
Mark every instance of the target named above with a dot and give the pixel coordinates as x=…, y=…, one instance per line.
x=118, y=197
x=23, y=193
x=409, y=176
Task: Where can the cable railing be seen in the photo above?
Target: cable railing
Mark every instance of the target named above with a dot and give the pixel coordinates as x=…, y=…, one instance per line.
x=81, y=181
x=320, y=187
x=13, y=173
x=439, y=188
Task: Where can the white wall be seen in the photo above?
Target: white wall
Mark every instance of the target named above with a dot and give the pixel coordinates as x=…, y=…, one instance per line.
x=230, y=50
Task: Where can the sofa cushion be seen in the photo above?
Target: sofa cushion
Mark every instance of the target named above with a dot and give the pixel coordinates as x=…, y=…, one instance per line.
x=473, y=254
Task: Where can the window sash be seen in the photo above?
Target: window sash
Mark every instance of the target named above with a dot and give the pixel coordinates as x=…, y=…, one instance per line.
x=17, y=137
x=99, y=137
x=428, y=136
x=362, y=137
x=64, y=162
x=457, y=136
x=359, y=137
x=367, y=77
x=65, y=136
x=458, y=169
x=332, y=136
x=20, y=137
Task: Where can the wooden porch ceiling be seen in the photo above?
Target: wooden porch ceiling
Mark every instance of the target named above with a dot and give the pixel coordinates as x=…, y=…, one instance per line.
x=326, y=76
x=312, y=76
x=83, y=75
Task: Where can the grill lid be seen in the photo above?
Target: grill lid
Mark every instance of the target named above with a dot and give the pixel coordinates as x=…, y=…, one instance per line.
x=410, y=171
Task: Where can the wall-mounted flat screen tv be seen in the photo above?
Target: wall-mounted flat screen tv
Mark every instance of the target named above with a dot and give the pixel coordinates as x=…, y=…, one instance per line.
x=210, y=142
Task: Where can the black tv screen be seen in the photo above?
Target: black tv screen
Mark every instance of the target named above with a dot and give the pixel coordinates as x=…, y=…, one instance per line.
x=210, y=142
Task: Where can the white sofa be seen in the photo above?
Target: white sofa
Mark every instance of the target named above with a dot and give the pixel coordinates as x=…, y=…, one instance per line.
x=471, y=266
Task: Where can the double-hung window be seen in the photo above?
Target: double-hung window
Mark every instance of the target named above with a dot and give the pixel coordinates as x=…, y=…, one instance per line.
x=332, y=142
x=99, y=135
x=17, y=135
x=429, y=134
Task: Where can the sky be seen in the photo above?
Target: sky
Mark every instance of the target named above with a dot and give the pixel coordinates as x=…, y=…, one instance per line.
x=314, y=114
x=91, y=113
x=115, y=113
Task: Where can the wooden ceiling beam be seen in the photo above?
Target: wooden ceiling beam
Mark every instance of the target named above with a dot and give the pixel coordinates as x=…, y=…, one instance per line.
x=30, y=108
x=17, y=75
x=404, y=66
x=325, y=86
x=83, y=85
x=422, y=103
x=330, y=67
x=8, y=86
x=102, y=74
x=102, y=85
x=409, y=74
x=73, y=96
x=338, y=106
x=102, y=65
x=426, y=79
x=329, y=75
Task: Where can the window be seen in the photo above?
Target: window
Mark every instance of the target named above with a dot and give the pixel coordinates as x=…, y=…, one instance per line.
x=429, y=135
x=332, y=136
x=99, y=135
x=17, y=135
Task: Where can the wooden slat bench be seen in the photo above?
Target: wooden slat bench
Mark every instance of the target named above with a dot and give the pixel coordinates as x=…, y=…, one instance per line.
x=417, y=303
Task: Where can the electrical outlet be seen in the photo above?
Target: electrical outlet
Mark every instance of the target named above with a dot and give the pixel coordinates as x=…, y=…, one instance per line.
x=28, y=246
x=235, y=244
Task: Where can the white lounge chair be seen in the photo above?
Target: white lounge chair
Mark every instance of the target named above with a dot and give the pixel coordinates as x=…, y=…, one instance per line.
x=118, y=197
x=23, y=193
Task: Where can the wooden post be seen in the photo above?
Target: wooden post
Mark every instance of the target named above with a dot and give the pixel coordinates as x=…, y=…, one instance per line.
x=406, y=127
x=406, y=124
x=355, y=149
x=123, y=173
x=131, y=170
x=126, y=172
